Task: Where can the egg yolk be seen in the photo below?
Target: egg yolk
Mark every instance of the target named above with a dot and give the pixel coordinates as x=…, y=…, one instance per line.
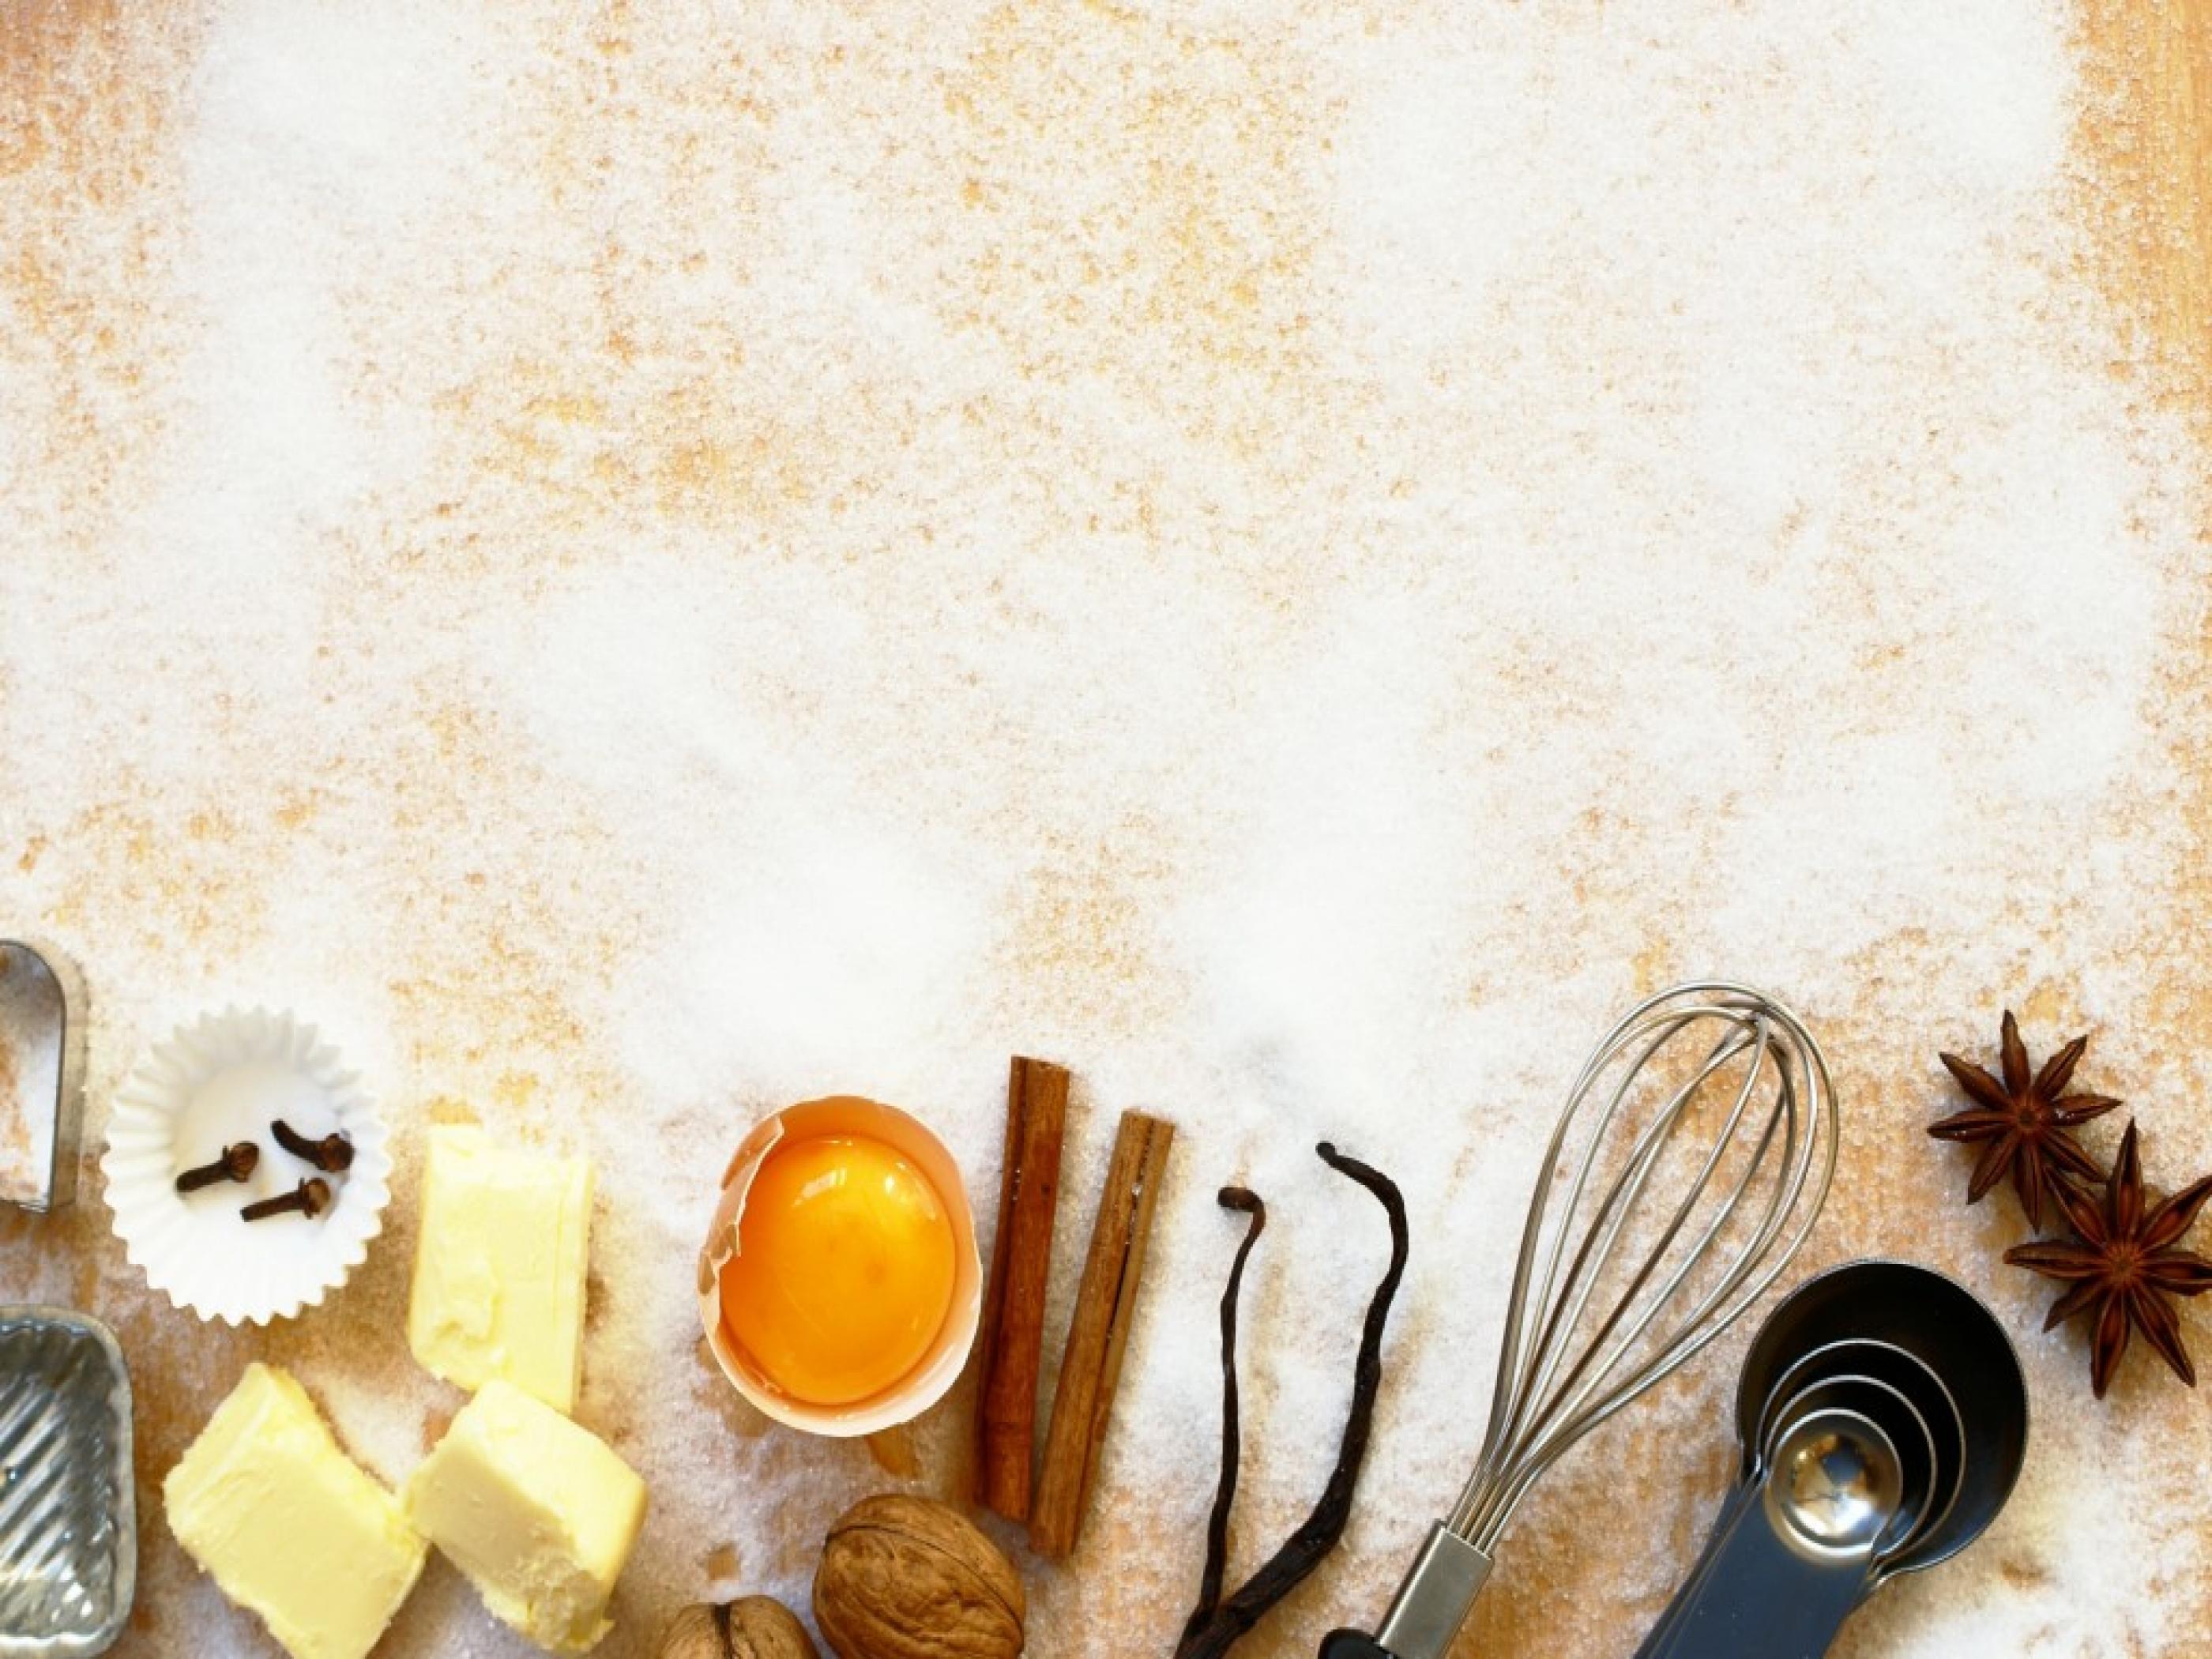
x=843, y=1274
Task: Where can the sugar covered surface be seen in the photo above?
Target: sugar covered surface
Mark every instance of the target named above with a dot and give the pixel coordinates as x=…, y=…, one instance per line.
x=640, y=563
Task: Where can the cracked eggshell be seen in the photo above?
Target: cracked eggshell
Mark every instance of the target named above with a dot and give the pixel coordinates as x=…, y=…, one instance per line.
x=934, y=1374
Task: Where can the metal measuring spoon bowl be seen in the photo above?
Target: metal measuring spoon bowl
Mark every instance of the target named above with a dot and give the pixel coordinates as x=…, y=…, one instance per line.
x=1901, y=1372
x=1942, y=1325
x=1845, y=1475
x=1752, y=1592
x=1811, y=1384
x=1899, y=1473
x=1839, y=1483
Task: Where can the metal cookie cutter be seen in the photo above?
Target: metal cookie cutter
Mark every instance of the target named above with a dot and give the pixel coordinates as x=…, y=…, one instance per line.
x=42, y=1028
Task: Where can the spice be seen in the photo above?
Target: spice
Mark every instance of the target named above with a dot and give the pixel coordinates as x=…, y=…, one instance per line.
x=2021, y=1122
x=239, y=1161
x=332, y=1154
x=310, y=1198
x=2124, y=1267
x=1014, y=1306
x=1216, y=1625
x=1105, y=1304
x=1225, y=1492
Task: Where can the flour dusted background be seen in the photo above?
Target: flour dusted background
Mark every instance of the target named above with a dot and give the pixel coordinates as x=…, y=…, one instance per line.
x=642, y=562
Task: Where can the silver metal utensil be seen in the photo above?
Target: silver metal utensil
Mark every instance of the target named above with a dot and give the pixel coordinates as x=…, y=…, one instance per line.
x=1901, y=1347
x=1694, y=1153
x=69, y=1545
x=1828, y=1486
x=42, y=1048
x=1841, y=1482
x=1943, y=1327
x=1885, y=1366
x=1879, y=1380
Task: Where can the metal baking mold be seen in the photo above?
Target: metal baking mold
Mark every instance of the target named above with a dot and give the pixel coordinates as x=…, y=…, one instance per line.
x=59, y=999
x=69, y=1520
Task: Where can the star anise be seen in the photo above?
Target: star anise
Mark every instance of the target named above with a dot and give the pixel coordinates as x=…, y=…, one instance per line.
x=2125, y=1265
x=2023, y=1122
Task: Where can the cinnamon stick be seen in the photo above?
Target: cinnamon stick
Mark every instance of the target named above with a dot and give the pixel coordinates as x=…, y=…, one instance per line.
x=1098, y=1334
x=1021, y=1266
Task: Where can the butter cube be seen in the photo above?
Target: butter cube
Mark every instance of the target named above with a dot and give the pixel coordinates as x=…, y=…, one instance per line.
x=537, y=1512
x=499, y=1268
x=289, y=1526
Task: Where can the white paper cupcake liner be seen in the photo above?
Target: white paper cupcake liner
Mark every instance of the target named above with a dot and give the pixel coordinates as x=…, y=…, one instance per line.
x=223, y=1079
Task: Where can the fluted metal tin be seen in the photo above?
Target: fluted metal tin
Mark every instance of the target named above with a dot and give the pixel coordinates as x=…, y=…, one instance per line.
x=69, y=1531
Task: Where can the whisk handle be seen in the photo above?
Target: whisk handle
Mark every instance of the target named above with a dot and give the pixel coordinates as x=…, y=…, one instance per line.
x=1431, y=1605
x=1351, y=1644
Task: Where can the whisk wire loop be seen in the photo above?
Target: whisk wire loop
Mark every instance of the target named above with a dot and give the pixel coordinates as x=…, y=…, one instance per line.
x=1596, y=1361
x=1614, y=1211
x=1731, y=1234
x=1520, y=1378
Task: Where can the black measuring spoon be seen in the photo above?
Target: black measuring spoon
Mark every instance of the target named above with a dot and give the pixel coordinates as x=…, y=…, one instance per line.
x=1759, y=1589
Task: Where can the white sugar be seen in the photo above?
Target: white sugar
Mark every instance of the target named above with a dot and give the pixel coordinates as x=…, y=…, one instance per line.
x=642, y=563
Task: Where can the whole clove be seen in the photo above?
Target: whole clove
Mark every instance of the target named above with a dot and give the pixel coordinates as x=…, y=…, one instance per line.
x=311, y=1198
x=332, y=1154
x=1216, y=1625
x=236, y=1163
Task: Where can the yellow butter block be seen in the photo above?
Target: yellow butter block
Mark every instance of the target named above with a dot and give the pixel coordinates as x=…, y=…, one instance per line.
x=537, y=1512
x=288, y=1525
x=500, y=1267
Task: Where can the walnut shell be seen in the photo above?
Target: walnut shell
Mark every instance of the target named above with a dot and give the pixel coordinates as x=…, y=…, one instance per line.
x=758, y=1627
x=907, y=1578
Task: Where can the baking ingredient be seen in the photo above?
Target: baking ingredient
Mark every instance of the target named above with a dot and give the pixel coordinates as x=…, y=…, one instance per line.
x=332, y=1153
x=1216, y=1625
x=237, y=1160
x=288, y=1525
x=1098, y=1332
x=757, y=1627
x=1013, y=1341
x=310, y=1198
x=1305, y=462
x=2124, y=1267
x=844, y=1268
x=1232, y=1434
x=499, y=1266
x=2023, y=1123
x=536, y=1511
x=905, y=1577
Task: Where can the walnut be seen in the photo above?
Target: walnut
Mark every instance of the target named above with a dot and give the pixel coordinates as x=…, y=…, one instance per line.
x=757, y=1627
x=907, y=1578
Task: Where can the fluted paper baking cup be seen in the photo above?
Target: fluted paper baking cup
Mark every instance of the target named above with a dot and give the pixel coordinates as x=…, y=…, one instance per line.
x=224, y=1078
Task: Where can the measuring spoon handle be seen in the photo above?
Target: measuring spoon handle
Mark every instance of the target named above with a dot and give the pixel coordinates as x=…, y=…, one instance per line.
x=1751, y=1593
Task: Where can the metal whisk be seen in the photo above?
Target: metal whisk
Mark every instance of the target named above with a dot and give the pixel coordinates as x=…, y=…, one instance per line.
x=1719, y=1058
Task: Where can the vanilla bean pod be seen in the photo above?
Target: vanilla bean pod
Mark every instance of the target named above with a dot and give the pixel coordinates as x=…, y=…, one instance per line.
x=1217, y=1526
x=1215, y=1629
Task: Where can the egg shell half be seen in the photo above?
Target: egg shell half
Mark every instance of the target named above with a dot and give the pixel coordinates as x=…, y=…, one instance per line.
x=933, y=1375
